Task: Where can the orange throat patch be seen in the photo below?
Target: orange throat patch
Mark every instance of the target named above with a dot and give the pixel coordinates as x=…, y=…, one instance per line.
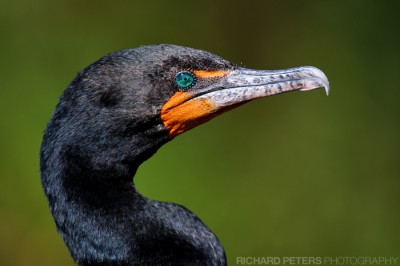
x=179, y=114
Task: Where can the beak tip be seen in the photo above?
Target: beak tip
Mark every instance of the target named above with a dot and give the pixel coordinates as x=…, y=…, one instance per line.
x=327, y=89
x=319, y=74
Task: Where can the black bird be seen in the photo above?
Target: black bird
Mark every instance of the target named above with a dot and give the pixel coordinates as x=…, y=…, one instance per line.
x=116, y=114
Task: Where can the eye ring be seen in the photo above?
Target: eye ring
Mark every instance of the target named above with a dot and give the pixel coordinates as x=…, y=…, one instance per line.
x=185, y=80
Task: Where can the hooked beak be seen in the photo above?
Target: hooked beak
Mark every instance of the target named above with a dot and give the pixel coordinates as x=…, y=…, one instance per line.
x=186, y=110
x=247, y=84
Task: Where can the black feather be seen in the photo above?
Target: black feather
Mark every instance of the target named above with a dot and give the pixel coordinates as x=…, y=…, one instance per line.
x=106, y=124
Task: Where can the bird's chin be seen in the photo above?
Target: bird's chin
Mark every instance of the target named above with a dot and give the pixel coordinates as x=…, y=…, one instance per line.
x=187, y=109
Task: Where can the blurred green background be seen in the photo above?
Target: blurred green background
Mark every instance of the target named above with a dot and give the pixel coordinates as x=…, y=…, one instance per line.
x=299, y=174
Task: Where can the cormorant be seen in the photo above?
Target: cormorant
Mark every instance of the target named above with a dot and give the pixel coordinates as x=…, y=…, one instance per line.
x=116, y=114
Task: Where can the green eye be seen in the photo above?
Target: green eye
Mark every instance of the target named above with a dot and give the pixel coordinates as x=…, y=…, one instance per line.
x=185, y=80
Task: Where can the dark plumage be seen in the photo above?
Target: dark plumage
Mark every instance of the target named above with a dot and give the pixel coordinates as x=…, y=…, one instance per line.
x=113, y=116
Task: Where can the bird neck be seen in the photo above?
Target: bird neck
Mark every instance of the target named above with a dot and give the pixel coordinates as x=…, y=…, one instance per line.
x=104, y=220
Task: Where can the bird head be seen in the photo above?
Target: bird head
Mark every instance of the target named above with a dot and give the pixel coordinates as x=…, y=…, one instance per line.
x=128, y=103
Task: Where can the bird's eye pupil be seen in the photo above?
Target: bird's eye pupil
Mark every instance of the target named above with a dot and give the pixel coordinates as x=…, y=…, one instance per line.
x=185, y=80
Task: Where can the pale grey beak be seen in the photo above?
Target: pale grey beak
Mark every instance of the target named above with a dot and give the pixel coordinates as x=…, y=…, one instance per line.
x=242, y=85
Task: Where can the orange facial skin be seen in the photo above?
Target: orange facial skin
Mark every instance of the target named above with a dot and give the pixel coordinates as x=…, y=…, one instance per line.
x=179, y=115
x=210, y=74
x=183, y=111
